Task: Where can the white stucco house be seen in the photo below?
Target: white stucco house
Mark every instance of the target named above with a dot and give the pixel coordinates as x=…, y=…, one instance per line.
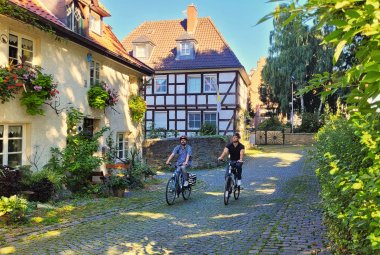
x=82, y=51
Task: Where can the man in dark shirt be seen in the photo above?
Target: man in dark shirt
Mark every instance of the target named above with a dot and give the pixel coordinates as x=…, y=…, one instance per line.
x=236, y=151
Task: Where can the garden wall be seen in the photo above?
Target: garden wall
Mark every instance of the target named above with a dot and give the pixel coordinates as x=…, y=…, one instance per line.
x=299, y=138
x=206, y=150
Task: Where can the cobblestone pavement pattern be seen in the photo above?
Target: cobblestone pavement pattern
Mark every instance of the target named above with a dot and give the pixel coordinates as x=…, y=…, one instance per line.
x=278, y=213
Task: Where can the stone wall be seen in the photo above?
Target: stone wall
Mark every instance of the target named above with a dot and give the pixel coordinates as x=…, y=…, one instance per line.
x=299, y=138
x=206, y=150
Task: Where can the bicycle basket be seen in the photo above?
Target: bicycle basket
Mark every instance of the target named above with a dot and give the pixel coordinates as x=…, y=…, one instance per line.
x=192, y=179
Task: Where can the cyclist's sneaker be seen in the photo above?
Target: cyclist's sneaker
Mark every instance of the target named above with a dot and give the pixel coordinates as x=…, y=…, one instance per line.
x=239, y=182
x=186, y=183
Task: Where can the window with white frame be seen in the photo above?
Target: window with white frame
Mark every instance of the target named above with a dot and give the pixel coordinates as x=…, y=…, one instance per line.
x=185, y=48
x=210, y=83
x=160, y=85
x=210, y=118
x=95, y=23
x=94, y=73
x=122, y=146
x=193, y=84
x=20, y=46
x=140, y=51
x=11, y=145
x=194, y=120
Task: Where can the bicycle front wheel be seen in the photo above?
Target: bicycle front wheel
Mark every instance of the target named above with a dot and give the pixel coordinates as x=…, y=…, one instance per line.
x=227, y=190
x=171, y=191
x=237, y=192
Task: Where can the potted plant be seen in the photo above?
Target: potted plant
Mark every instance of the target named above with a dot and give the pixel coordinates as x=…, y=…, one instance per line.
x=101, y=96
x=137, y=107
x=35, y=87
x=118, y=183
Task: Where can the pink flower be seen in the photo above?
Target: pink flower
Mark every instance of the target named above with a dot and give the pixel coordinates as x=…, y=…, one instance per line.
x=37, y=88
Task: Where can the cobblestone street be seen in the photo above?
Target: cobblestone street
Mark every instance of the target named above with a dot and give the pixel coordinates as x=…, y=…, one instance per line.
x=278, y=213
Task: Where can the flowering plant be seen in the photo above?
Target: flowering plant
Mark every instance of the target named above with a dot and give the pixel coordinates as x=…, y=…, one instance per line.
x=101, y=95
x=35, y=87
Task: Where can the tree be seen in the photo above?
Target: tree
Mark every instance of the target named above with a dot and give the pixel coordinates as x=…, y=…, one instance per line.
x=295, y=51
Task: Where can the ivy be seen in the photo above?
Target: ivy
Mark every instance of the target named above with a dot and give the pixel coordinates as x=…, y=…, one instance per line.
x=137, y=107
x=21, y=14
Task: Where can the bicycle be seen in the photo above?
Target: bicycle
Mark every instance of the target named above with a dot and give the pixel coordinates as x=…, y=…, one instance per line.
x=230, y=183
x=175, y=187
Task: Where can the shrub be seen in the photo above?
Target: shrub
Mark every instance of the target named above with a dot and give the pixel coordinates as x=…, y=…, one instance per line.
x=272, y=123
x=13, y=209
x=350, y=186
x=137, y=106
x=207, y=129
x=310, y=123
x=10, y=181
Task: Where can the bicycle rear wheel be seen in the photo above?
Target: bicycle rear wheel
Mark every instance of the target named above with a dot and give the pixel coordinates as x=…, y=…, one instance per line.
x=186, y=191
x=171, y=191
x=227, y=190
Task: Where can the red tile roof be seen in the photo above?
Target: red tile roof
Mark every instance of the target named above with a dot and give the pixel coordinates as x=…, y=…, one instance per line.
x=108, y=40
x=212, y=49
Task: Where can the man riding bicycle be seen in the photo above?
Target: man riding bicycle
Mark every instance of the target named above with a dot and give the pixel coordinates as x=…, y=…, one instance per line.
x=236, y=151
x=184, y=157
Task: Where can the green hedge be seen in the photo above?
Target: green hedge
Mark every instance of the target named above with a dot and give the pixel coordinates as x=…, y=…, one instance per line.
x=349, y=175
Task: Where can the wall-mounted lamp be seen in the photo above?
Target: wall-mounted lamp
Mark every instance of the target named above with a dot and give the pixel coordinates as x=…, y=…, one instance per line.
x=89, y=57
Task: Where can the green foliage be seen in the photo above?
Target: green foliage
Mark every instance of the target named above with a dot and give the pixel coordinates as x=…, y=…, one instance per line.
x=21, y=14
x=350, y=183
x=13, y=209
x=295, y=51
x=97, y=97
x=350, y=171
x=207, y=129
x=310, y=123
x=118, y=181
x=76, y=161
x=137, y=107
x=37, y=88
x=272, y=123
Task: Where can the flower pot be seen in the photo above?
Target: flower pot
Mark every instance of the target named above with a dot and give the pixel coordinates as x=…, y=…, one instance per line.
x=118, y=192
x=117, y=166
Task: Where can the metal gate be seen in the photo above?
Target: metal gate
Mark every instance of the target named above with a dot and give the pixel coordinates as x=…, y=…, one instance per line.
x=270, y=137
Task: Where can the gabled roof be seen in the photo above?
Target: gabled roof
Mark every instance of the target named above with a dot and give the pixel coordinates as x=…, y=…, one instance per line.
x=107, y=44
x=212, y=50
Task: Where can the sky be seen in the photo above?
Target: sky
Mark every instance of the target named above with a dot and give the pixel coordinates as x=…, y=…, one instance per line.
x=235, y=19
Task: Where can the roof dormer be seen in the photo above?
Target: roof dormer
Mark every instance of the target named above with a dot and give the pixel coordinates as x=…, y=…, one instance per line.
x=186, y=47
x=142, y=47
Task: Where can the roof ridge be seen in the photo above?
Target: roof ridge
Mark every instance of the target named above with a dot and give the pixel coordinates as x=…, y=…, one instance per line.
x=222, y=38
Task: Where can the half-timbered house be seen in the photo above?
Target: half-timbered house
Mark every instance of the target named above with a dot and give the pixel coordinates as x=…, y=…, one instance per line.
x=198, y=79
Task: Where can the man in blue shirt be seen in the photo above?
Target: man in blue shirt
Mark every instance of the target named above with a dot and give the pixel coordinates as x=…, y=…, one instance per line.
x=184, y=152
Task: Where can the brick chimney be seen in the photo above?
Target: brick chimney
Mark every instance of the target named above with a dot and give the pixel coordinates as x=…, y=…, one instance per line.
x=192, y=18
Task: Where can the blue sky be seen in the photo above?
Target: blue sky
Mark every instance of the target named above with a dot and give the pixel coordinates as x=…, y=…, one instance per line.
x=234, y=19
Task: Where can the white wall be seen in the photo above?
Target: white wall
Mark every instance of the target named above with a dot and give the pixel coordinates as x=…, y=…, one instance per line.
x=67, y=62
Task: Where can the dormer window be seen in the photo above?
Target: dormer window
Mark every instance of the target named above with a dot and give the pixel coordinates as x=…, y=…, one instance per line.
x=142, y=47
x=185, y=48
x=141, y=51
x=95, y=23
